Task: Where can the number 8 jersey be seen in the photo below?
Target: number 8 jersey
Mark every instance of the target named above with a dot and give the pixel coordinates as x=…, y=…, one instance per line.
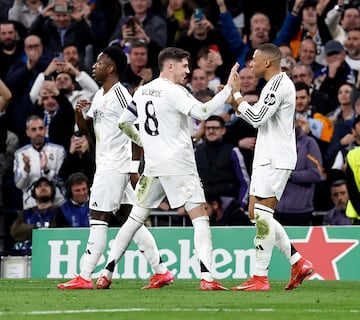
x=162, y=109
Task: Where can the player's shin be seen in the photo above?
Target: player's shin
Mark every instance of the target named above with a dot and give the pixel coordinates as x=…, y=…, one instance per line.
x=264, y=239
x=95, y=247
x=123, y=238
x=203, y=245
x=147, y=246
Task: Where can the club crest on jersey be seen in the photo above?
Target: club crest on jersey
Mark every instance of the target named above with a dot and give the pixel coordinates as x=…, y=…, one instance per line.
x=98, y=115
x=270, y=99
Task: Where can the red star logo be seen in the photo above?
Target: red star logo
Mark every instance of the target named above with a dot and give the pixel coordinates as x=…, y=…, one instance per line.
x=323, y=252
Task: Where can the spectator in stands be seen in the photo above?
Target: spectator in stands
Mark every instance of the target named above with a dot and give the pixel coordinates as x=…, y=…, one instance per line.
x=301, y=23
x=353, y=176
x=138, y=71
x=8, y=140
x=80, y=158
x=198, y=80
x=178, y=16
x=209, y=59
x=70, y=53
x=58, y=114
x=25, y=12
x=340, y=160
x=199, y=34
x=37, y=159
x=221, y=166
x=307, y=54
x=75, y=211
x=11, y=47
x=248, y=82
x=343, y=118
x=226, y=212
x=340, y=198
x=72, y=82
x=259, y=33
x=318, y=126
x=303, y=73
x=145, y=26
x=5, y=5
x=352, y=45
x=58, y=28
x=19, y=79
x=340, y=20
x=240, y=134
x=293, y=210
x=329, y=79
x=42, y=215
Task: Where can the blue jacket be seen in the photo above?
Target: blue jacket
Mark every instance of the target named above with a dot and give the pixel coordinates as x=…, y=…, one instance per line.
x=76, y=215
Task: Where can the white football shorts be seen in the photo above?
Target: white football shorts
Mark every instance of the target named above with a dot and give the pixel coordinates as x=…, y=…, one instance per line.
x=267, y=181
x=150, y=191
x=109, y=189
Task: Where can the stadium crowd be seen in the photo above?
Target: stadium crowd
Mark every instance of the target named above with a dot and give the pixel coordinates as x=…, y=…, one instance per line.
x=48, y=48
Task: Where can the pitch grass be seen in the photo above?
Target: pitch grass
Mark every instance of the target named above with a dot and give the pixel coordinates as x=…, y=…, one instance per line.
x=30, y=299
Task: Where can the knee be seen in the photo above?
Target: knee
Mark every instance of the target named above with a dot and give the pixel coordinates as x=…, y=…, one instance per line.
x=139, y=214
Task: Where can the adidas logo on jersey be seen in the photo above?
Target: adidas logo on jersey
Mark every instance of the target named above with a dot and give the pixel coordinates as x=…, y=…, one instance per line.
x=94, y=204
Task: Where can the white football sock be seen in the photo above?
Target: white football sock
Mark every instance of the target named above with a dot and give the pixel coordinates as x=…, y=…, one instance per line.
x=94, y=248
x=282, y=242
x=147, y=246
x=203, y=245
x=120, y=244
x=265, y=238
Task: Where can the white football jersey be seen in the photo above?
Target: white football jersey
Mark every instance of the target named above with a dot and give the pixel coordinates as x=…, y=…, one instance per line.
x=113, y=147
x=273, y=115
x=162, y=109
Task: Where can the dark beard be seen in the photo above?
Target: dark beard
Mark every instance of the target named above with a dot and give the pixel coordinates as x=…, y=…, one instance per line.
x=65, y=91
x=8, y=45
x=44, y=199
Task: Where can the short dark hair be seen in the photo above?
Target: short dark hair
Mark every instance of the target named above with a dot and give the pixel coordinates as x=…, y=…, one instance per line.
x=117, y=56
x=302, y=86
x=338, y=183
x=216, y=118
x=172, y=53
x=202, y=94
x=138, y=44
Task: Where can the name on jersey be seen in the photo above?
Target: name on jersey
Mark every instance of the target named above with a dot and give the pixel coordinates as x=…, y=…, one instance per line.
x=151, y=92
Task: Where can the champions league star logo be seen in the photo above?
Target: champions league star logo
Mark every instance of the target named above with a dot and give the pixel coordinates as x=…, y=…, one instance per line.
x=324, y=252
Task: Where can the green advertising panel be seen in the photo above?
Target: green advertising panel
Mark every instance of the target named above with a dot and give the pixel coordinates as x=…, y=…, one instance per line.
x=334, y=251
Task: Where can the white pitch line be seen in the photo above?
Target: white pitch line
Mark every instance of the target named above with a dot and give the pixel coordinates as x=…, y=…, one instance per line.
x=265, y=310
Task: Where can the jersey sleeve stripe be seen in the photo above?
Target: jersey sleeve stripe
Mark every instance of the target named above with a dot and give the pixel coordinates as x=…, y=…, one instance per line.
x=256, y=117
x=121, y=98
x=276, y=83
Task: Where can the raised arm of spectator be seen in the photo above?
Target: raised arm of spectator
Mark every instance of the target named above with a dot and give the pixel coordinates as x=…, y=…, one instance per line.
x=291, y=24
x=229, y=30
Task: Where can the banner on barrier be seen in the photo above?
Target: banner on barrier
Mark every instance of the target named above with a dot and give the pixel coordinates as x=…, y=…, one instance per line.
x=334, y=251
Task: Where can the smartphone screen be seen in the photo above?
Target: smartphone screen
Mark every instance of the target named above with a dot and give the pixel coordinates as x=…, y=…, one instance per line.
x=198, y=14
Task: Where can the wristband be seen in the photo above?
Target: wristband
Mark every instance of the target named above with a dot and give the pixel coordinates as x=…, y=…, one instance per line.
x=134, y=166
x=237, y=95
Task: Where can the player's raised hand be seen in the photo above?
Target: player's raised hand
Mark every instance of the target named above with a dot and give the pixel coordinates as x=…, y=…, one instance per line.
x=233, y=79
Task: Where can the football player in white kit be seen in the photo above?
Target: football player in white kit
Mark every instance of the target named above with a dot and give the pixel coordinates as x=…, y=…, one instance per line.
x=274, y=159
x=162, y=108
x=111, y=185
